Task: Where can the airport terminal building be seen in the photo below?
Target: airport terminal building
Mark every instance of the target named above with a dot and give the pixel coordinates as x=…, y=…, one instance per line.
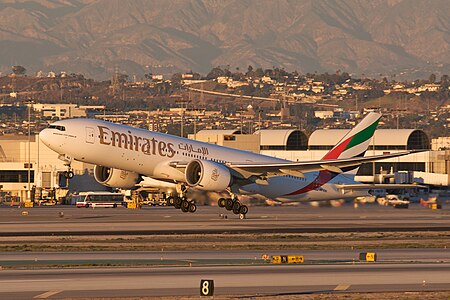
x=428, y=166
x=29, y=169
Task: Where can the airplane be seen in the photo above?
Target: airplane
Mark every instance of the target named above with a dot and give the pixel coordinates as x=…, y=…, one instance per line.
x=124, y=155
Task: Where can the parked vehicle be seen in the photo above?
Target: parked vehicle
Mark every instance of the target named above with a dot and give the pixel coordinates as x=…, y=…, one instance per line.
x=98, y=199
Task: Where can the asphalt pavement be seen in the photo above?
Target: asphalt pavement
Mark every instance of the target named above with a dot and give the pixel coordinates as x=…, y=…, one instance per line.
x=242, y=280
x=68, y=220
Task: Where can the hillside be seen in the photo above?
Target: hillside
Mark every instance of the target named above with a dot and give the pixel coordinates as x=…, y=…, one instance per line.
x=163, y=36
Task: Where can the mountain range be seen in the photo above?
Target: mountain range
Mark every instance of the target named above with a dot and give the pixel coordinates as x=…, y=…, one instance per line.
x=409, y=38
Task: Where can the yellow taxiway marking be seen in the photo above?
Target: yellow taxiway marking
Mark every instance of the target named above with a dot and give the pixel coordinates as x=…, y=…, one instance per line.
x=342, y=287
x=46, y=294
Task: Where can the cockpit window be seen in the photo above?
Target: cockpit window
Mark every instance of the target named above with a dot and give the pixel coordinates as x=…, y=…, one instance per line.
x=57, y=127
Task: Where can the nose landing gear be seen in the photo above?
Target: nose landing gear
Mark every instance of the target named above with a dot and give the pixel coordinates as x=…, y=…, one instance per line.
x=68, y=174
x=68, y=163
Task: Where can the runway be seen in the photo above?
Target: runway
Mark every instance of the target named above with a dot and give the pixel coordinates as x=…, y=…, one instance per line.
x=73, y=262
x=67, y=220
x=241, y=280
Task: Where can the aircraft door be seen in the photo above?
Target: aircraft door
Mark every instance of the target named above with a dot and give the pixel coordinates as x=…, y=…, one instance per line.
x=90, y=135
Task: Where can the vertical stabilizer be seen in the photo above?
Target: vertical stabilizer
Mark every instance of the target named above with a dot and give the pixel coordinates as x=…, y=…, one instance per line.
x=356, y=142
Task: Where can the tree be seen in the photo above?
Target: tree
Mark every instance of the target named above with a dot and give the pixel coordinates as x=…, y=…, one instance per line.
x=432, y=78
x=345, y=76
x=259, y=73
x=196, y=76
x=19, y=70
x=122, y=78
x=215, y=72
x=445, y=80
x=176, y=77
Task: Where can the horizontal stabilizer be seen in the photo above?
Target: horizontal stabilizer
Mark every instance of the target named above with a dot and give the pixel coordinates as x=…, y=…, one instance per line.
x=334, y=165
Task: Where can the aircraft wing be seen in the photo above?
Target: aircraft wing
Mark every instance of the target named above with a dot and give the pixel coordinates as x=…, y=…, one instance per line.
x=298, y=168
x=392, y=186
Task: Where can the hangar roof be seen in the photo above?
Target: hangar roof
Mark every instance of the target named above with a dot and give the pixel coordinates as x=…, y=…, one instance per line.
x=410, y=138
x=290, y=139
x=275, y=136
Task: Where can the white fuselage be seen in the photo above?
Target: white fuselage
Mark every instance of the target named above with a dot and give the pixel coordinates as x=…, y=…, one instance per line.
x=150, y=154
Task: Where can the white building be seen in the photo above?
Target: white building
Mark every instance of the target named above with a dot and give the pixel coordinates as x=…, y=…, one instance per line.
x=441, y=143
x=324, y=114
x=60, y=111
x=18, y=157
x=429, y=87
x=229, y=138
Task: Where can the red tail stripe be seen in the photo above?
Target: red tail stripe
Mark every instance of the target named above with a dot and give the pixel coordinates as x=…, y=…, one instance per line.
x=334, y=153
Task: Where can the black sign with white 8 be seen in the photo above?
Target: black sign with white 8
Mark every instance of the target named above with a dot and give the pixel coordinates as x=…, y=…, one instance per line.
x=206, y=287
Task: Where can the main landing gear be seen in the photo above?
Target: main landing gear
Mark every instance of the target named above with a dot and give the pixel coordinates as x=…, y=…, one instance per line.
x=182, y=203
x=233, y=204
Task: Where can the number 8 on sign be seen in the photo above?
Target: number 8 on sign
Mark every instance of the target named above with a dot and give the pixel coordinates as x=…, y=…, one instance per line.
x=206, y=287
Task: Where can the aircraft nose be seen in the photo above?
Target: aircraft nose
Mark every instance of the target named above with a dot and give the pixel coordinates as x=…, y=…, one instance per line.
x=44, y=135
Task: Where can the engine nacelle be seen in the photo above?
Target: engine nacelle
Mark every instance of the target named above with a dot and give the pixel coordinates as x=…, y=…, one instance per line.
x=207, y=175
x=116, y=178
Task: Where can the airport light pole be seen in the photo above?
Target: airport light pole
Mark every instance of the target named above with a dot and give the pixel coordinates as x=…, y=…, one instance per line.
x=182, y=123
x=29, y=103
x=195, y=124
x=259, y=120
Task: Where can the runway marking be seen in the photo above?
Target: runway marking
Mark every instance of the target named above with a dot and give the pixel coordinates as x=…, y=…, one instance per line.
x=47, y=294
x=342, y=287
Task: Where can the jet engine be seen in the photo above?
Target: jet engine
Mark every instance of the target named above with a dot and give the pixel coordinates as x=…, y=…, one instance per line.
x=116, y=178
x=208, y=175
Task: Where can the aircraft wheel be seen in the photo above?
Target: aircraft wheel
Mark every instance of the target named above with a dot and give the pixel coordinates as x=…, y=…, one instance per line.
x=170, y=201
x=185, y=206
x=221, y=202
x=243, y=210
x=236, y=207
x=178, y=202
x=229, y=204
x=192, y=208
